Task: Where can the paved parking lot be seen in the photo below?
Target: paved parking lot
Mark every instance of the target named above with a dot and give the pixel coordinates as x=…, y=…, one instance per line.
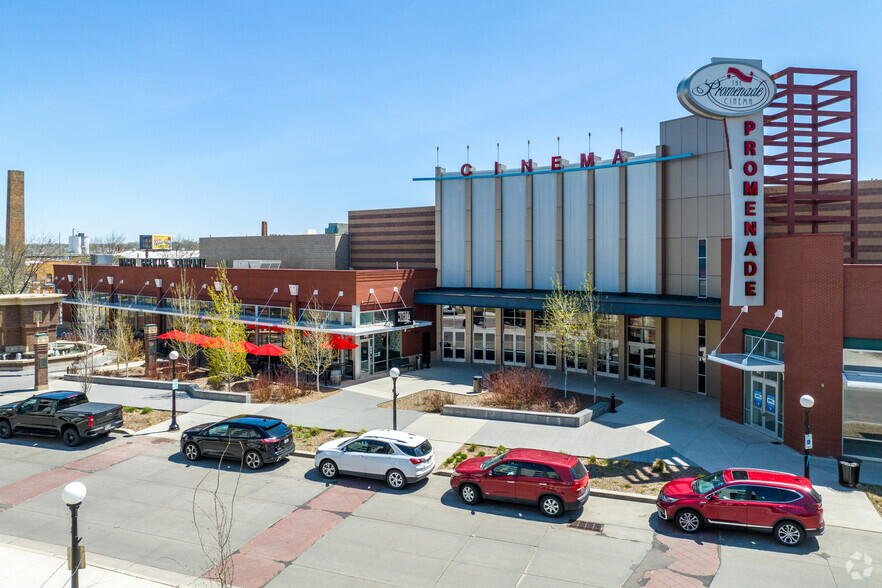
x=290, y=527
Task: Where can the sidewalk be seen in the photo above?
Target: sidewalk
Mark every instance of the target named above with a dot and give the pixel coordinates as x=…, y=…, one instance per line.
x=30, y=564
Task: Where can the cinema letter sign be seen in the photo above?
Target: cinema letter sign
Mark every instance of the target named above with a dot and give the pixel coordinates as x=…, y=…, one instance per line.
x=736, y=92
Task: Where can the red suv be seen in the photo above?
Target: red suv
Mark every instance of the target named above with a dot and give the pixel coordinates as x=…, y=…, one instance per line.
x=756, y=500
x=554, y=481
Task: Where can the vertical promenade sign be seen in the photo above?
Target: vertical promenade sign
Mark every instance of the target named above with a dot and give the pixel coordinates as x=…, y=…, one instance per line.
x=736, y=91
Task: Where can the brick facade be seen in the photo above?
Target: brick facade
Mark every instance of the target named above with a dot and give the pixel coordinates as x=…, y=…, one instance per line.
x=15, y=227
x=18, y=314
x=380, y=239
x=822, y=301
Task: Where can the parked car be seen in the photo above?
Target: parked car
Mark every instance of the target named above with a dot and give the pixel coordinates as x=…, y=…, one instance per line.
x=554, y=481
x=757, y=500
x=68, y=414
x=254, y=440
x=395, y=456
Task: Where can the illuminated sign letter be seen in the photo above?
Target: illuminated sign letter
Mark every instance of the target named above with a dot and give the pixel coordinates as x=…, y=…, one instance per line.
x=587, y=161
x=555, y=162
x=466, y=169
x=526, y=166
x=618, y=157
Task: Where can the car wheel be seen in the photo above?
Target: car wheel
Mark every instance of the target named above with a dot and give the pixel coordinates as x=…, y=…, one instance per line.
x=470, y=494
x=192, y=452
x=551, y=506
x=689, y=521
x=5, y=429
x=395, y=479
x=71, y=437
x=328, y=469
x=253, y=460
x=789, y=533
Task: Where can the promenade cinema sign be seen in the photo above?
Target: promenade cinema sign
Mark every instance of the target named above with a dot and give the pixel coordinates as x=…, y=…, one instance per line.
x=736, y=92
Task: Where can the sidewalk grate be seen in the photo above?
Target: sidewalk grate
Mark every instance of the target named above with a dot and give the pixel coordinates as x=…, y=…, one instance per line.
x=587, y=526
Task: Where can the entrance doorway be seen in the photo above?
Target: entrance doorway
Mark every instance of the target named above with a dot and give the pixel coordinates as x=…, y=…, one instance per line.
x=641, y=349
x=764, y=409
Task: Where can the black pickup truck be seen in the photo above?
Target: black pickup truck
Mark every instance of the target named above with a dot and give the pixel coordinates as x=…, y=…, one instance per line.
x=69, y=414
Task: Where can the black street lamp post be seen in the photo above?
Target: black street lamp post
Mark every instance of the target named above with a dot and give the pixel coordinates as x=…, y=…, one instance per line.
x=173, y=356
x=73, y=495
x=394, y=373
x=807, y=403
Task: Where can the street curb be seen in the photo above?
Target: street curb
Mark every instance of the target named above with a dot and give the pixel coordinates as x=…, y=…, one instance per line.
x=594, y=491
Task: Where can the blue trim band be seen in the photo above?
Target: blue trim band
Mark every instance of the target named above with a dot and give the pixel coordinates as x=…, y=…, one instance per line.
x=554, y=171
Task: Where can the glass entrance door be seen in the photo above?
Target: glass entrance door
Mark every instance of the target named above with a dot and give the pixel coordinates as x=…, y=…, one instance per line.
x=641, y=348
x=765, y=406
x=367, y=353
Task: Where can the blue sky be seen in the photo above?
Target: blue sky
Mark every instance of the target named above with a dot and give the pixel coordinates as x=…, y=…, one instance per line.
x=205, y=118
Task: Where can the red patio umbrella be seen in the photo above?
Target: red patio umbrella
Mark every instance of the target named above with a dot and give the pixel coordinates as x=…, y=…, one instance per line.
x=338, y=342
x=197, y=338
x=175, y=335
x=249, y=346
x=214, y=342
x=270, y=349
x=274, y=328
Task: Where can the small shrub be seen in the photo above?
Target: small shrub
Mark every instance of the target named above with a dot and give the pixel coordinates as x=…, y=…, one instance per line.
x=315, y=431
x=448, y=461
x=129, y=409
x=339, y=433
x=659, y=465
x=569, y=406
x=472, y=447
x=216, y=382
x=261, y=395
x=627, y=485
x=592, y=460
x=519, y=389
x=460, y=458
x=362, y=432
x=146, y=410
x=501, y=449
x=435, y=400
x=481, y=454
x=626, y=463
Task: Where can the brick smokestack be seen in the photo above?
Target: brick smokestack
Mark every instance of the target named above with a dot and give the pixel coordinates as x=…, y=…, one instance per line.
x=263, y=229
x=15, y=228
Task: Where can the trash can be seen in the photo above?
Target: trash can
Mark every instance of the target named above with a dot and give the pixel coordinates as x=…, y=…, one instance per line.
x=849, y=471
x=477, y=384
x=419, y=362
x=336, y=376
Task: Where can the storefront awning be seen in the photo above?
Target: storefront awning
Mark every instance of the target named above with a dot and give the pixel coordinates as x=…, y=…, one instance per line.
x=868, y=380
x=747, y=363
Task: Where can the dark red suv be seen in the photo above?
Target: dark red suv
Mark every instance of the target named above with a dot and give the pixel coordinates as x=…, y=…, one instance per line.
x=755, y=500
x=553, y=481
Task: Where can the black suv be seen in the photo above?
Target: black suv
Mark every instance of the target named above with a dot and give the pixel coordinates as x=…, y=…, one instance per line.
x=252, y=439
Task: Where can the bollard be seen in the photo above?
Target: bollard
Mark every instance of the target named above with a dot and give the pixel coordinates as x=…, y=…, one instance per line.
x=612, y=402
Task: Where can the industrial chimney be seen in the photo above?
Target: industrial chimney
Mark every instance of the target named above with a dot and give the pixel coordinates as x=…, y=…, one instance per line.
x=263, y=229
x=15, y=227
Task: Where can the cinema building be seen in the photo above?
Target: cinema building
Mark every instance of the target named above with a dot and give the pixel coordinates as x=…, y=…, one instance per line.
x=655, y=232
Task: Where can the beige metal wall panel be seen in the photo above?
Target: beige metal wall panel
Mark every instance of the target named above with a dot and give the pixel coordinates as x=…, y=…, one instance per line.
x=606, y=229
x=575, y=229
x=483, y=233
x=544, y=248
x=453, y=236
x=514, y=221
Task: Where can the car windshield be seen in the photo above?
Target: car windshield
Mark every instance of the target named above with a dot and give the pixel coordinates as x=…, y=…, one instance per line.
x=493, y=461
x=708, y=483
x=424, y=448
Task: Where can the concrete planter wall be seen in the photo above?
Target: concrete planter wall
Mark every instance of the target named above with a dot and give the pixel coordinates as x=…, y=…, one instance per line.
x=527, y=416
x=192, y=389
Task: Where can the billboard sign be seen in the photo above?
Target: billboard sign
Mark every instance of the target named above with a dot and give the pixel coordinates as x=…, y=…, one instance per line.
x=155, y=242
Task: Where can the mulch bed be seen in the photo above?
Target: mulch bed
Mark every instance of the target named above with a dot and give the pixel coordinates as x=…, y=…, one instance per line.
x=138, y=419
x=434, y=400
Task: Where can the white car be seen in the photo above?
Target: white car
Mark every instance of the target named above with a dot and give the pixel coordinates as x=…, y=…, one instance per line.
x=399, y=458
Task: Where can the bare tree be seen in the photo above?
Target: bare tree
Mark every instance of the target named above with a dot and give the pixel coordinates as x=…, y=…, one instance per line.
x=86, y=330
x=20, y=266
x=316, y=351
x=562, y=310
x=590, y=304
x=123, y=341
x=293, y=341
x=186, y=318
x=213, y=516
x=183, y=247
x=111, y=243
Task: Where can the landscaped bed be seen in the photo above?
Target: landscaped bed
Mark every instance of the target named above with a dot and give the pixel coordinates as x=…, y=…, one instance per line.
x=621, y=475
x=309, y=438
x=874, y=493
x=137, y=419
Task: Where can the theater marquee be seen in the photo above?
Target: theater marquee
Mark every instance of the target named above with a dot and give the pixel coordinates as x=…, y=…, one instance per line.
x=736, y=92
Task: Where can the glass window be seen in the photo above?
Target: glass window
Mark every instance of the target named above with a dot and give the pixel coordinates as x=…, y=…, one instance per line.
x=420, y=450
x=380, y=447
x=359, y=446
x=538, y=470
x=508, y=468
x=702, y=357
x=702, y=268
x=219, y=431
x=736, y=492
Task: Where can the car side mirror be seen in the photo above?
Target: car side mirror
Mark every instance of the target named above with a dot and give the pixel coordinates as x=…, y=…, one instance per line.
x=713, y=498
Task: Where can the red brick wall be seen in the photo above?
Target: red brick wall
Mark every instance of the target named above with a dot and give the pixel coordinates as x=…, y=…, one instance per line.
x=804, y=277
